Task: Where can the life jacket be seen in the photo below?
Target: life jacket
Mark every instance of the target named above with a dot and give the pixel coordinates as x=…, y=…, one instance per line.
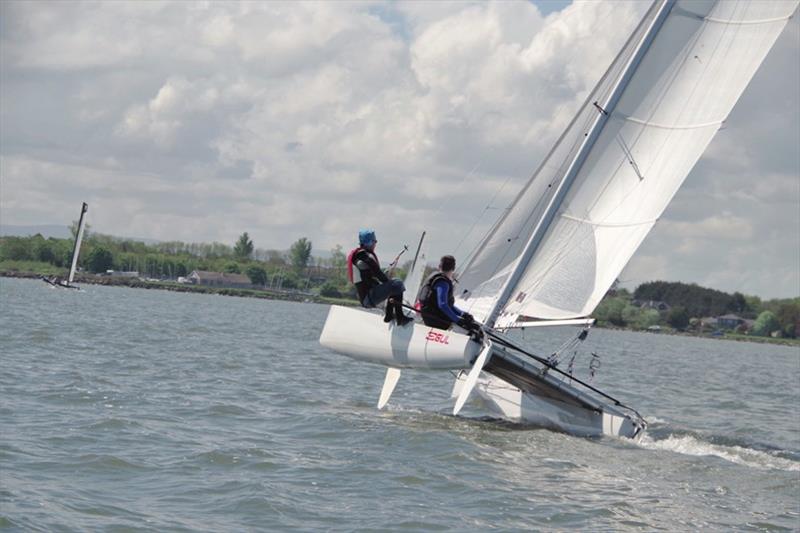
x=354, y=275
x=426, y=302
x=350, y=257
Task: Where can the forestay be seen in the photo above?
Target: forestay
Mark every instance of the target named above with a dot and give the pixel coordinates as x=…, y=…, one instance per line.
x=577, y=222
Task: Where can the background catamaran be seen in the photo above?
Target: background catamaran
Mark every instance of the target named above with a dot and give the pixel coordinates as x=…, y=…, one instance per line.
x=76, y=250
x=577, y=222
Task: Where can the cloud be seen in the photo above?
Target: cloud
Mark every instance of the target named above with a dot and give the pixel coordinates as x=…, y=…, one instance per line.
x=200, y=121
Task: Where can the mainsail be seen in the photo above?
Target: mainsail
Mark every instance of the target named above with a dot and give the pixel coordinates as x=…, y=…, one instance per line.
x=580, y=218
x=76, y=250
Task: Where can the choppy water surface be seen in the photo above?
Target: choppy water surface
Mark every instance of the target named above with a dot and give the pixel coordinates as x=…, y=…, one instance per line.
x=133, y=409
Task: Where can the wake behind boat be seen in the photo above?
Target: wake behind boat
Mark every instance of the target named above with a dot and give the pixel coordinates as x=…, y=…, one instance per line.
x=574, y=226
x=67, y=283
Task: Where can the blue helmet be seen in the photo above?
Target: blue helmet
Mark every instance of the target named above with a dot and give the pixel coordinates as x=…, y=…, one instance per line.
x=366, y=237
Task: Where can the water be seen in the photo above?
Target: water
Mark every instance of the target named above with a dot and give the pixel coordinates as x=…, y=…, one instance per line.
x=126, y=409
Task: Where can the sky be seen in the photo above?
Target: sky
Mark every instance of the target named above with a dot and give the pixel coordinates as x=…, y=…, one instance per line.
x=197, y=121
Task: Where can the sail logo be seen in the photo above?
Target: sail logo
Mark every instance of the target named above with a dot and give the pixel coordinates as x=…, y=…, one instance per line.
x=438, y=337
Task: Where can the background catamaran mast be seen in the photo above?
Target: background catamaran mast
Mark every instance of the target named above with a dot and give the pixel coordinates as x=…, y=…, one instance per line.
x=76, y=249
x=662, y=9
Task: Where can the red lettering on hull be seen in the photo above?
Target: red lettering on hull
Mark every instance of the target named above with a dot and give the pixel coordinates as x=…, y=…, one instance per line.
x=441, y=338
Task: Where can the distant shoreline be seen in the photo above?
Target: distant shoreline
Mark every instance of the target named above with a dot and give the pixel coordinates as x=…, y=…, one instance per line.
x=266, y=294
x=136, y=283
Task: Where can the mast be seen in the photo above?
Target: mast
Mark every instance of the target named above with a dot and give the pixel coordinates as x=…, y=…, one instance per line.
x=569, y=177
x=76, y=249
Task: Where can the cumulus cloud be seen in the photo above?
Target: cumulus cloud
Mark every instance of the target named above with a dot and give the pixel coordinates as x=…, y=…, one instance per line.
x=198, y=121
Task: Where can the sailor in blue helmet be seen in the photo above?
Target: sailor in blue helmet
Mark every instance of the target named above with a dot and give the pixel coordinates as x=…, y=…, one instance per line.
x=372, y=284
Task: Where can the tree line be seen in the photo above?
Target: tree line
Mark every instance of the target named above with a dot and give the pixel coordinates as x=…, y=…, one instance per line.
x=297, y=268
x=687, y=304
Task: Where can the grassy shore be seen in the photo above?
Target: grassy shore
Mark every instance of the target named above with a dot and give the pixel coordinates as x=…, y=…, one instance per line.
x=181, y=287
x=725, y=335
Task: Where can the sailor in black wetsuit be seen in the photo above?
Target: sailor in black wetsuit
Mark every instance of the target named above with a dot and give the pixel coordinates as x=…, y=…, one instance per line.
x=437, y=303
x=371, y=282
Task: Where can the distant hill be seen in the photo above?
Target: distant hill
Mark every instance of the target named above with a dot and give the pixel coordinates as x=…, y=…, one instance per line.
x=47, y=231
x=53, y=230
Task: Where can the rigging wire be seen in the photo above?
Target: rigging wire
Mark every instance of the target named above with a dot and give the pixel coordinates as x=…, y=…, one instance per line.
x=564, y=252
x=479, y=217
x=508, y=343
x=526, y=226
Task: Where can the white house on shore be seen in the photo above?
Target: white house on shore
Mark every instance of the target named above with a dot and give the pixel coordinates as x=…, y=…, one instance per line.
x=220, y=279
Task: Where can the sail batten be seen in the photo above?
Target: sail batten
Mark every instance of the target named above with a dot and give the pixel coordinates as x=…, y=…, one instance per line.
x=714, y=123
x=594, y=199
x=611, y=224
x=733, y=22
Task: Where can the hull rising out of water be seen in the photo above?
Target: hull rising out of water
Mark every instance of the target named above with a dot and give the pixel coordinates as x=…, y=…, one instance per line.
x=523, y=393
x=510, y=387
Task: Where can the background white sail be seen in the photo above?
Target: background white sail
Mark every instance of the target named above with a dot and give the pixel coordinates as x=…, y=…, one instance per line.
x=76, y=250
x=688, y=80
x=415, y=274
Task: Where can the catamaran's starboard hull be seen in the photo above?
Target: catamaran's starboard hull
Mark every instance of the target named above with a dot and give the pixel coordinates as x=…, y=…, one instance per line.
x=60, y=285
x=529, y=397
x=363, y=335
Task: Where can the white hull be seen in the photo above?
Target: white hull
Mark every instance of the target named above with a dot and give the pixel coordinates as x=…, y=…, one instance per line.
x=509, y=402
x=535, y=397
x=363, y=335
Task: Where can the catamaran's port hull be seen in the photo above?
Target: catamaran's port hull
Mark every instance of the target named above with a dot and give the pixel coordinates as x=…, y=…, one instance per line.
x=60, y=285
x=521, y=393
x=363, y=335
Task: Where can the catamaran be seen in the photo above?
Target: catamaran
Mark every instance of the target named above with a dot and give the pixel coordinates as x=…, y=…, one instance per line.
x=556, y=251
x=76, y=250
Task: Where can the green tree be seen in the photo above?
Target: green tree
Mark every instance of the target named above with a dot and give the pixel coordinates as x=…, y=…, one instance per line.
x=738, y=303
x=765, y=324
x=649, y=317
x=73, y=230
x=100, y=259
x=62, y=252
x=330, y=289
x=698, y=301
x=244, y=247
x=289, y=280
x=788, y=315
x=610, y=310
x=257, y=275
x=274, y=258
x=300, y=253
x=181, y=269
x=678, y=317
x=631, y=315
x=339, y=262
x=232, y=268
x=17, y=249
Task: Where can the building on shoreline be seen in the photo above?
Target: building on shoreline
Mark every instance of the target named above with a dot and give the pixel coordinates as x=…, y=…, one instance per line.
x=220, y=279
